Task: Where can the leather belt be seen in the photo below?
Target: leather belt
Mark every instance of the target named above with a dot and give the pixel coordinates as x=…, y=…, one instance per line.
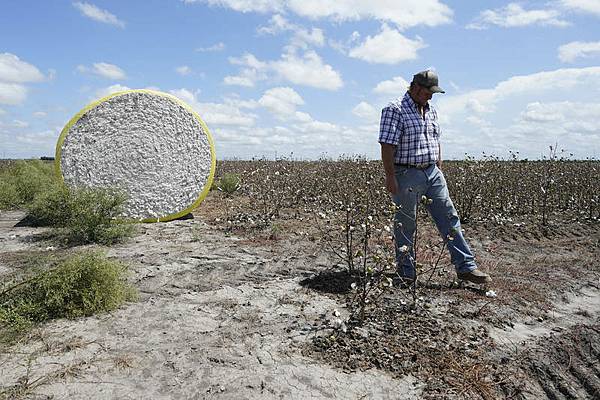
x=417, y=166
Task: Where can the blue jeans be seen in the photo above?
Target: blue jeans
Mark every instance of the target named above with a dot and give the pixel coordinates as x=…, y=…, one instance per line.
x=412, y=184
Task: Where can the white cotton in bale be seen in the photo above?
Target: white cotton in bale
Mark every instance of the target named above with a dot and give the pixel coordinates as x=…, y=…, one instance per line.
x=148, y=144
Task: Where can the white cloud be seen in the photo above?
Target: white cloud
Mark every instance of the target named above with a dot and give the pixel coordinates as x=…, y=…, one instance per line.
x=252, y=71
x=105, y=70
x=302, y=116
x=403, y=13
x=344, y=47
x=14, y=73
x=216, y=47
x=183, y=70
x=281, y=101
x=40, y=114
x=590, y=6
x=305, y=137
x=484, y=100
x=109, y=71
x=387, y=47
x=396, y=86
x=302, y=38
x=277, y=24
x=237, y=141
x=246, y=81
x=481, y=123
x=20, y=124
x=98, y=14
x=572, y=51
x=513, y=15
x=110, y=90
x=308, y=70
x=235, y=101
x=12, y=93
x=366, y=111
x=476, y=106
x=41, y=138
x=316, y=127
x=223, y=114
x=13, y=69
x=245, y=6
x=538, y=112
x=18, y=143
x=186, y=95
x=525, y=113
x=569, y=124
x=236, y=134
x=216, y=113
x=248, y=60
x=571, y=116
x=15, y=124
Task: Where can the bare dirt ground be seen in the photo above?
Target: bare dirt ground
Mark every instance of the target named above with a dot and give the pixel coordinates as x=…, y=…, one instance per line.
x=251, y=316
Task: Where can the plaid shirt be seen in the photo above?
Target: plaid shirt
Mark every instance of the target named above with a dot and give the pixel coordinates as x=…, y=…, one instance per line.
x=416, y=140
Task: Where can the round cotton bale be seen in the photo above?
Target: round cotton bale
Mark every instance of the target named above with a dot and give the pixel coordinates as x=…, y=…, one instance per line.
x=148, y=144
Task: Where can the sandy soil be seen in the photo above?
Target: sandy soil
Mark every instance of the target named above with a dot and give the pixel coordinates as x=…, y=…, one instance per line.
x=232, y=316
x=215, y=319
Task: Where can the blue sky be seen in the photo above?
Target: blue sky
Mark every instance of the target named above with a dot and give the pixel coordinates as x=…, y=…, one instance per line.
x=309, y=77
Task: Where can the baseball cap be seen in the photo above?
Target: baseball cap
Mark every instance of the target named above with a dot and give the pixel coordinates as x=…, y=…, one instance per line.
x=428, y=79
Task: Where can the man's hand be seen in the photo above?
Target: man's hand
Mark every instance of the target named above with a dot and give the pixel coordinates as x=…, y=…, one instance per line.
x=390, y=184
x=387, y=156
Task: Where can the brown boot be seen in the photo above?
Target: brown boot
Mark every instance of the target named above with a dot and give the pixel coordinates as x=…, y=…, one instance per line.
x=475, y=276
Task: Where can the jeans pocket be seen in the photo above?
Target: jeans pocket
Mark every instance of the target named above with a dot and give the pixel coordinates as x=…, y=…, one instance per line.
x=400, y=171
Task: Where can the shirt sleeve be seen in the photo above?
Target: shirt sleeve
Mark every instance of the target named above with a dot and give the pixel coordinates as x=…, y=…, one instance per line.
x=388, y=126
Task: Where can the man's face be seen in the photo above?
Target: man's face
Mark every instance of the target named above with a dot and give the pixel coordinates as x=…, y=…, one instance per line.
x=422, y=95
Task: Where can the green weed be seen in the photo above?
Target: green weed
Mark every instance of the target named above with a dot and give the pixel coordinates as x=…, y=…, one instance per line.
x=80, y=285
x=22, y=180
x=82, y=216
x=229, y=184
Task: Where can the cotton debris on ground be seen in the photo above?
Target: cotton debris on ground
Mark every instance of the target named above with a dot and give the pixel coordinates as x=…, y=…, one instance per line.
x=148, y=144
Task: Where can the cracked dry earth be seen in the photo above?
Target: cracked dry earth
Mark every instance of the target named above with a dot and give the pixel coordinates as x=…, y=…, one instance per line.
x=223, y=316
x=216, y=319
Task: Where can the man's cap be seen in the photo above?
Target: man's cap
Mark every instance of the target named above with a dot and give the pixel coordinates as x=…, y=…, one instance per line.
x=428, y=79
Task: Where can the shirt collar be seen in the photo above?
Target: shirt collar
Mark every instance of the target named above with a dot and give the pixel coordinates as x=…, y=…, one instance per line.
x=412, y=103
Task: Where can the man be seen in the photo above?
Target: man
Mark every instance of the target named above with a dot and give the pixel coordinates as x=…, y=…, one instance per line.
x=412, y=159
